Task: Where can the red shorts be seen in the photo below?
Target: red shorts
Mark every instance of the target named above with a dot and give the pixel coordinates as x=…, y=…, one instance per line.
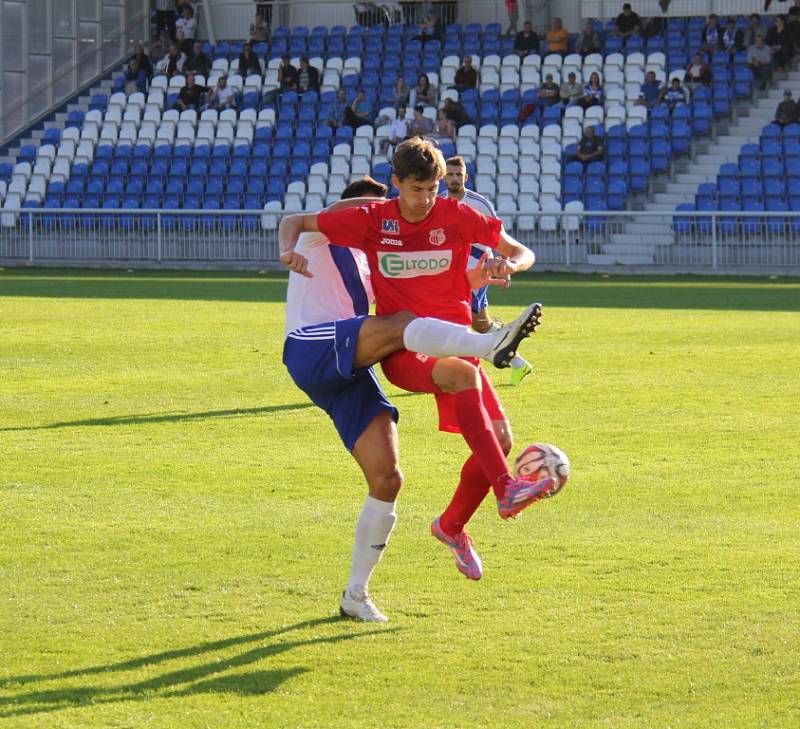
x=412, y=372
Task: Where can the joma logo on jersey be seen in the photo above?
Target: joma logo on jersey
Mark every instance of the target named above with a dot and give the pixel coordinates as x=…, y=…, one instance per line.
x=390, y=226
x=411, y=265
x=436, y=237
x=391, y=242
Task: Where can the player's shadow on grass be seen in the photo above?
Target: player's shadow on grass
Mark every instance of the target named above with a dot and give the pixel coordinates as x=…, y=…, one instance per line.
x=197, y=679
x=160, y=417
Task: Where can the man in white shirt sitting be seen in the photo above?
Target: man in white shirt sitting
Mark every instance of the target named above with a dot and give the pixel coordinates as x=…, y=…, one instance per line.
x=222, y=97
x=187, y=24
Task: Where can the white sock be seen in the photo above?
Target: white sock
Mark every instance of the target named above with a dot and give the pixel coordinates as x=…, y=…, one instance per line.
x=518, y=362
x=438, y=338
x=374, y=526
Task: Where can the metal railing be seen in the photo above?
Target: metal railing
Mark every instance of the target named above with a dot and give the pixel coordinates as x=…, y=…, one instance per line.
x=609, y=9
x=689, y=240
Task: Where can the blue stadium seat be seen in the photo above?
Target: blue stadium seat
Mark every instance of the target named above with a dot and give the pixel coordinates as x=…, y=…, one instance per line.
x=682, y=225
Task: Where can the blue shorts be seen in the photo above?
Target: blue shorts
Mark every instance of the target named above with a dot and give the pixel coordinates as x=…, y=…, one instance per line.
x=480, y=297
x=320, y=360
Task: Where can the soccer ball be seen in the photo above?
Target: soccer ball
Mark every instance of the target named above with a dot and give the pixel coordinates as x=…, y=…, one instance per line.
x=540, y=461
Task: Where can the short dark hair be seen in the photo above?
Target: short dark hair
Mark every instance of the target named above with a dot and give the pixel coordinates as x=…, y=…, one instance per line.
x=456, y=161
x=365, y=187
x=418, y=158
x=626, y=6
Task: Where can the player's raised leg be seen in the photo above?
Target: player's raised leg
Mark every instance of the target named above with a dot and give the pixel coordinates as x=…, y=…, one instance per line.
x=376, y=452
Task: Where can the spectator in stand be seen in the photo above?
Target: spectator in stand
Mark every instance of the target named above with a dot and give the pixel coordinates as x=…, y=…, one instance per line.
x=759, y=60
x=200, y=63
x=135, y=78
x=423, y=93
x=172, y=64
x=248, y=62
x=793, y=26
x=187, y=24
x=259, y=30
x=590, y=147
x=456, y=112
x=650, y=91
x=592, y=93
x=549, y=92
x=466, y=76
x=337, y=117
x=398, y=130
x=589, y=41
x=780, y=43
x=160, y=48
x=788, y=111
x=308, y=77
x=673, y=95
x=143, y=60
x=420, y=125
x=432, y=28
x=732, y=39
x=287, y=75
x=512, y=8
x=443, y=129
x=400, y=94
x=557, y=38
x=697, y=72
x=191, y=95
x=165, y=17
x=711, y=37
x=223, y=97
x=359, y=113
x=754, y=29
x=526, y=41
x=628, y=23
x=570, y=90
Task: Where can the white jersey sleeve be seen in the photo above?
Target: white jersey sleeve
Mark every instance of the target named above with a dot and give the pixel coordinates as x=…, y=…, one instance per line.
x=339, y=289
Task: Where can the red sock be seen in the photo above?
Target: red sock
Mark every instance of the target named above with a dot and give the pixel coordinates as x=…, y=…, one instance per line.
x=473, y=420
x=471, y=491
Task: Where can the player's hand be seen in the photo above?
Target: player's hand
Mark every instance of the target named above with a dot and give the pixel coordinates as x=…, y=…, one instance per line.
x=481, y=276
x=296, y=262
x=501, y=267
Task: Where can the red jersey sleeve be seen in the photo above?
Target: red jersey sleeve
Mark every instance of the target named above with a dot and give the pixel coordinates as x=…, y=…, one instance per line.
x=479, y=228
x=346, y=227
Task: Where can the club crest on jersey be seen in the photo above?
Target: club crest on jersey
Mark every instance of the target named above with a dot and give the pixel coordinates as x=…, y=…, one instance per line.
x=436, y=237
x=390, y=226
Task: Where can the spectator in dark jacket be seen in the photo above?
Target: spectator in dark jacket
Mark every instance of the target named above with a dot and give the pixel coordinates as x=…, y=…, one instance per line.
x=199, y=62
x=526, y=41
x=781, y=44
x=788, y=110
x=143, y=60
x=248, y=62
x=466, y=76
x=456, y=113
x=628, y=23
x=589, y=40
x=191, y=95
x=732, y=38
x=307, y=77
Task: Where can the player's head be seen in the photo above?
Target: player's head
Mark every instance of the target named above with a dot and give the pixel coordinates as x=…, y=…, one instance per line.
x=455, y=176
x=365, y=187
x=418, y=166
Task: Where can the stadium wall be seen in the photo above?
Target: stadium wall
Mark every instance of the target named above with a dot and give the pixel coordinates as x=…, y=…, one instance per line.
x=51, y=50
x=605, y=9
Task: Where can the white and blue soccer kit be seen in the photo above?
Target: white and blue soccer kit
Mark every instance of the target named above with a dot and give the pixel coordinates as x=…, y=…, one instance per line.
x=480, y=297
x=324, y=315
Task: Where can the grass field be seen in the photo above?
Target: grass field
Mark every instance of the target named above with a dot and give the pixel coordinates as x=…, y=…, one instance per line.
x=177, y=519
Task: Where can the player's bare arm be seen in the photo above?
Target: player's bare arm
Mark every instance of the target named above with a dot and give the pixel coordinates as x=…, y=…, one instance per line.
x=291, y=226
x=516, y=257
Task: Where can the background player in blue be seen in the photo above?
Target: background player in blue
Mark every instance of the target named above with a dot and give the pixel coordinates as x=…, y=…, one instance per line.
x=331, y=344
x=456, y=179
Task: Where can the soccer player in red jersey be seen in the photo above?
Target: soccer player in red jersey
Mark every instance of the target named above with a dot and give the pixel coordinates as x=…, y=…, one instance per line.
x=417, y=246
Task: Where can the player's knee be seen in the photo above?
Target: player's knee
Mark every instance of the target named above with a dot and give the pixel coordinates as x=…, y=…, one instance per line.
x=386, y=486
x=456, y=375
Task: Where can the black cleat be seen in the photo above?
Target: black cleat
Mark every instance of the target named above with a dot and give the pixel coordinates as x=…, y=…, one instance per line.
x=509, y=336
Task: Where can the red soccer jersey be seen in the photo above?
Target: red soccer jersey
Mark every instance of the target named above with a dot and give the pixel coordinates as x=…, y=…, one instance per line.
x=418, y=267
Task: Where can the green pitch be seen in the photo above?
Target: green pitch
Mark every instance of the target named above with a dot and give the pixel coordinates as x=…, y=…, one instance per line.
x=176, y=519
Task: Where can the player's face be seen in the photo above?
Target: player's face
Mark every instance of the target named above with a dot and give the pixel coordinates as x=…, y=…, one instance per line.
x=455, y=179
x=417, y=197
